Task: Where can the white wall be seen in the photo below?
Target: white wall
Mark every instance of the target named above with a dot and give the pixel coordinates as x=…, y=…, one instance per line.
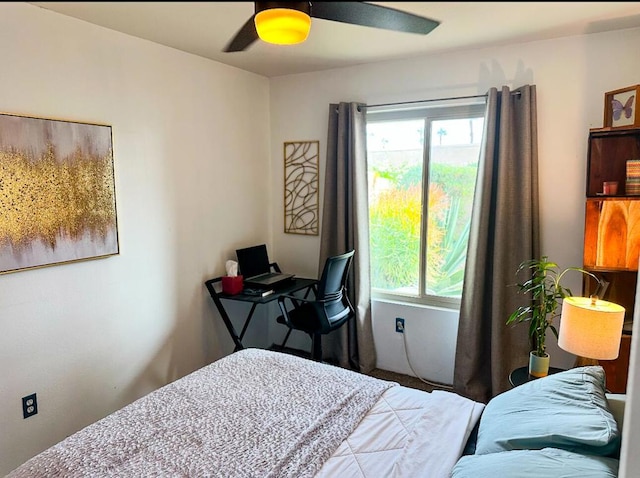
x=191, y=152
x=571, y=75
x=426, y=345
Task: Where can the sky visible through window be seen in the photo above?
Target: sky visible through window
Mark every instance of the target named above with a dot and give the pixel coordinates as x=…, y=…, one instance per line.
x=407, y=135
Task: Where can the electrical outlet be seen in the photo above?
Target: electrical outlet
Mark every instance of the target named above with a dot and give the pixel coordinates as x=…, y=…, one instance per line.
x=400, y=325
x=29, y=406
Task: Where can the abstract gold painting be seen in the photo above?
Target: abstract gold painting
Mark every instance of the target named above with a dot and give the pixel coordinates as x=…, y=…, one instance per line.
x=301, y=187
x=57, y=192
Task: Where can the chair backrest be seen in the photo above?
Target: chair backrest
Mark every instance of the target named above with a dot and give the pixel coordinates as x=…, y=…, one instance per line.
x=334, y=277
x=333, y=307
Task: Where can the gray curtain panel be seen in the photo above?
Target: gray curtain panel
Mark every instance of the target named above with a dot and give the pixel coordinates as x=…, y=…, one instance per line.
x=345, y=226
x=505, y=230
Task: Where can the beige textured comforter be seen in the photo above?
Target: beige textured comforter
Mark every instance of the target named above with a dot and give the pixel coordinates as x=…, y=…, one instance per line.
x=254, y=413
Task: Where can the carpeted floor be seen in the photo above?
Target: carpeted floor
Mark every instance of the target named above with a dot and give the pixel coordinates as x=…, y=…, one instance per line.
x=405, y=380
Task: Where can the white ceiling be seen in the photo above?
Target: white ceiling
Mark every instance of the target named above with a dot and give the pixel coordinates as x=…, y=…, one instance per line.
x=204, y=29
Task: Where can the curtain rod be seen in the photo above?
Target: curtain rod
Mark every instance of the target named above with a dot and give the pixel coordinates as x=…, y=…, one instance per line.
x=434, y=99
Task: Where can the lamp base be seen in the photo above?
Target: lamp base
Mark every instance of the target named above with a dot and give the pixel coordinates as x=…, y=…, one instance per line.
x=584, y=362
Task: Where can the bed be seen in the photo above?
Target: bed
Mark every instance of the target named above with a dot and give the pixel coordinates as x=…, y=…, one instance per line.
x=259, y=413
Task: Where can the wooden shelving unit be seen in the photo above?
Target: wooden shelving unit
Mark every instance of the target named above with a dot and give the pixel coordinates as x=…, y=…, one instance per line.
x=612, y=233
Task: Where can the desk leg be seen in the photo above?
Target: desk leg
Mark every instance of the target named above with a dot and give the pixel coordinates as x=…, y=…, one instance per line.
x=309, y=289
x=225, y=317
x=246, y=322
x=313, y=288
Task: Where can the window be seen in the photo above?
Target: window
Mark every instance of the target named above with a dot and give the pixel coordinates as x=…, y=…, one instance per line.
x=422, y=167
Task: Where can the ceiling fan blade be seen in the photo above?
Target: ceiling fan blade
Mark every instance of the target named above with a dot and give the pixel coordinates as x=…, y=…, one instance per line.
x=245, y=37
x=370, y=15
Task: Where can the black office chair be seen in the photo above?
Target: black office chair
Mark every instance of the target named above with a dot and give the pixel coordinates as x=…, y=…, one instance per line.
x=328, y=311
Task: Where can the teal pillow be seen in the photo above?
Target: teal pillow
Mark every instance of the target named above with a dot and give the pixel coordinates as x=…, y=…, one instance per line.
x=548, y=462
x=566, y=410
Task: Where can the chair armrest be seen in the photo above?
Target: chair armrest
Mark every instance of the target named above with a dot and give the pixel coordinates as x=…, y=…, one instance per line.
x=295, y=301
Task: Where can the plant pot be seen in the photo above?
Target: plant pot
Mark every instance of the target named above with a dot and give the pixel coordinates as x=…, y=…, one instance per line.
x=538, y=366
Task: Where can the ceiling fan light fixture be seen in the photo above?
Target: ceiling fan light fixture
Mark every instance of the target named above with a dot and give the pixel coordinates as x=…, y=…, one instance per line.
x=282, y=26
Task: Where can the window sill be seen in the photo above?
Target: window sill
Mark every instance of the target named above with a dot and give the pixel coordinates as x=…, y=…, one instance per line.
x=445, y=304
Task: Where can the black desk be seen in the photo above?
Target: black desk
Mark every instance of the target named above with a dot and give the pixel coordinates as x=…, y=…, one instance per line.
x=521, y=375
x=296, y=285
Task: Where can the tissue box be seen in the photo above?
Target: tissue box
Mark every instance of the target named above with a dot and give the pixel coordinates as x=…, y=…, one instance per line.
x=232, y=285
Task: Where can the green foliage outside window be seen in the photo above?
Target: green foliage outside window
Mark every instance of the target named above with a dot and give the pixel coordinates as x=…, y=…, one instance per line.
x=395, y=221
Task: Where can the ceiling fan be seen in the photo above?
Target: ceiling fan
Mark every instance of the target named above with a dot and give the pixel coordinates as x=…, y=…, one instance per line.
x=288, y=23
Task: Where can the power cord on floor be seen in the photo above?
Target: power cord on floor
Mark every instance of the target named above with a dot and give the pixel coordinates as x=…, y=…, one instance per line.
x=406, y=354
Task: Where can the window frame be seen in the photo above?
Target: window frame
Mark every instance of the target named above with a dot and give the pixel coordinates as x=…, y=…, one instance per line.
x=428, y=115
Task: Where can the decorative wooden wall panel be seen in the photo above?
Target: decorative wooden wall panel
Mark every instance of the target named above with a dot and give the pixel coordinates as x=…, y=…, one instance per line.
x=301, y=187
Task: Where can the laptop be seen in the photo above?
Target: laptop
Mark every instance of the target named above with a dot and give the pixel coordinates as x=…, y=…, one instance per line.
x=255, y=268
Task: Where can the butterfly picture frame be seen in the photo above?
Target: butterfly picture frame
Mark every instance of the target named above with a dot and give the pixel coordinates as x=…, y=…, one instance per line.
x=620, y=108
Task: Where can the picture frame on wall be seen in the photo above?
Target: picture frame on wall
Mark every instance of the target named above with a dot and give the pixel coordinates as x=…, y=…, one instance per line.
x=301, y=187
x=620, y=108
x=57, y=192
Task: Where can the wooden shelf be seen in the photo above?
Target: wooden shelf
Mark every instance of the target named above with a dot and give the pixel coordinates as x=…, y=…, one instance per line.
x=608, y=152
x=612, y=234
x=616, y=371
x=618, y=290
x=609, y=129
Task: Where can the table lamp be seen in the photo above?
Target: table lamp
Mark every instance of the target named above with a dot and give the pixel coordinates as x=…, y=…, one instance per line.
x=591, y=329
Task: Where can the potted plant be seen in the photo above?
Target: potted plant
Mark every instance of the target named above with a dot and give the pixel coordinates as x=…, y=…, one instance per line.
x=545, y=289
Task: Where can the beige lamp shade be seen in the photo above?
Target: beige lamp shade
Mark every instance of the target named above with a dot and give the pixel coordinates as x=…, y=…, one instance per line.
x=591, y=328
